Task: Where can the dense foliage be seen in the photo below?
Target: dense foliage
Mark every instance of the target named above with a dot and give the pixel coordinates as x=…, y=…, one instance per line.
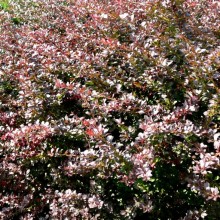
x=109, y=109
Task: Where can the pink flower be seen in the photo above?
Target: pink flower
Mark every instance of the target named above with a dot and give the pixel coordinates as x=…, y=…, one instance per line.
x=95, y=202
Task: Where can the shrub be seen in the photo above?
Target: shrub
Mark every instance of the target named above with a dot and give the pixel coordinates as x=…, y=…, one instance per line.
x=109, y=109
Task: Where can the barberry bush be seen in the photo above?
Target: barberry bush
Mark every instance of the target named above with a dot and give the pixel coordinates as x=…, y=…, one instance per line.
x=109, y=109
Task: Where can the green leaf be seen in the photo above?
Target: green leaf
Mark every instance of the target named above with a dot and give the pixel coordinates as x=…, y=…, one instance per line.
x=16, y=21
x=4, y=5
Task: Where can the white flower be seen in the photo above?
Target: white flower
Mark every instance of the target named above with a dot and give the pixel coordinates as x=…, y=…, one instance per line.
x=199, y=50
x=166, y=62
x=104, y=15
x=203, y=214
x=123, y=16
x=118, y=87
x=216, y=136
x=68, y=192
x=110, y=138
x=143, y=23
